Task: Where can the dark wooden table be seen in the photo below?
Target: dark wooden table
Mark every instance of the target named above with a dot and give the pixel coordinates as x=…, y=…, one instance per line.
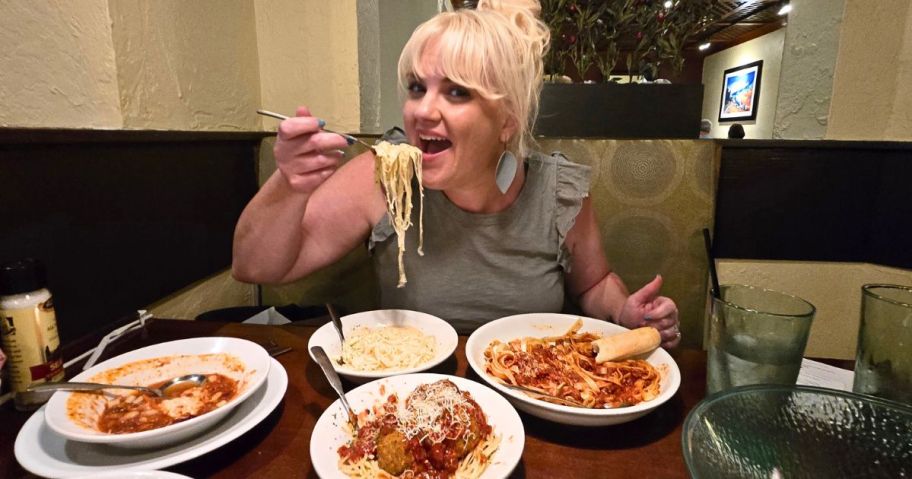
x=279, y=446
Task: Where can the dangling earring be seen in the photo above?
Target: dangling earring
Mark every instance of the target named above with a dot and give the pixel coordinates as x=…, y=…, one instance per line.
x=505, y=171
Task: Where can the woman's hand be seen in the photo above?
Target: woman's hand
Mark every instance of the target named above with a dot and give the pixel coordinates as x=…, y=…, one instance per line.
x=305, y=155
x=646, y=308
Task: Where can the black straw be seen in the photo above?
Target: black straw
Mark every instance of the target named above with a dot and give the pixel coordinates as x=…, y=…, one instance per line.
x=712, y=264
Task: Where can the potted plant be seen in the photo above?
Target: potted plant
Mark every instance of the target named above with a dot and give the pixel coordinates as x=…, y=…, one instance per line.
x=589, y=40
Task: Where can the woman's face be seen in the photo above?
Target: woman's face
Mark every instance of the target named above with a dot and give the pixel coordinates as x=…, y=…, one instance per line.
x=460, y=133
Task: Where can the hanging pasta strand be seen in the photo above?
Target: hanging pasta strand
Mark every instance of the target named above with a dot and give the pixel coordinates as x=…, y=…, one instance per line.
x=395, y=167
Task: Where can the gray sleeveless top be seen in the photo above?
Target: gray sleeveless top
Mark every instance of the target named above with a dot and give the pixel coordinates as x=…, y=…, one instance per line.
x=480, y=267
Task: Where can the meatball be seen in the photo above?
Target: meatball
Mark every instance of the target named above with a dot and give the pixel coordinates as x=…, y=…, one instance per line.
x=392, y=455
x=468, y=441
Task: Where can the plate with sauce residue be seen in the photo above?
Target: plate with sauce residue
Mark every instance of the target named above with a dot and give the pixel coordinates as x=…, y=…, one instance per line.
x=78, y=416
x=40, y=451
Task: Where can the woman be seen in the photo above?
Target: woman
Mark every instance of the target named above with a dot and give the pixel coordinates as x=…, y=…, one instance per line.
x=471, y=80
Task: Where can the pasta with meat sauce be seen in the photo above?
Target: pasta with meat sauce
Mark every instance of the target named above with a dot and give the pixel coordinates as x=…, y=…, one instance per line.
x=564, y=367
x=138, y=411
x=438, y=432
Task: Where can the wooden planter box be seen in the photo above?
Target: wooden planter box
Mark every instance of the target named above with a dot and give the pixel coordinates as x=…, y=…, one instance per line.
x=610, y=110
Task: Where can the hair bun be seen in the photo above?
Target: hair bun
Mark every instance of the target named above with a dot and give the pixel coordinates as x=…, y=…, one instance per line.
x=524, y=15
x=533, y=7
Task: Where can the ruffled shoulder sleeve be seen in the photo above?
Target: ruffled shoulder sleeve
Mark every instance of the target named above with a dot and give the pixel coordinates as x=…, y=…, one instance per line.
x=571, y=188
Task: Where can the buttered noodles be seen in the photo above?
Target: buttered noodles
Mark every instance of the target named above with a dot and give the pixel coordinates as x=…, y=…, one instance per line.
x=396, y=165
x=387, y=348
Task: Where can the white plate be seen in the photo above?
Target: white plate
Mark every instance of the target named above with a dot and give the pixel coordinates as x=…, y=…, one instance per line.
x=135, y=475
x=550, y=324
x=42, y=452
x=328, y=433
x=255, y=362
x=442, y=331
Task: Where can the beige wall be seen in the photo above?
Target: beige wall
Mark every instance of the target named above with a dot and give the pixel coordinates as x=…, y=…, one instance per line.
x=167, y=64
x=57, y=65
x=215, y=292
x=833, y=288
x=187, y=65
x=767, y=48
x=808, y=61
x=872, y=88
x=308, y=55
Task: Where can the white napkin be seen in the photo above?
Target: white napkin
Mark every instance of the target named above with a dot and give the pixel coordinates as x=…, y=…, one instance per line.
x=268, y=316
x=815, y=373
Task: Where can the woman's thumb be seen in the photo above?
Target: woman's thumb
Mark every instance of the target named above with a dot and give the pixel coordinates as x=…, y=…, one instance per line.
x=649, y=292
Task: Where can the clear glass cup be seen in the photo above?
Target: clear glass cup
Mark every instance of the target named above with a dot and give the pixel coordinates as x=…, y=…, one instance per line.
x=756, y=336
x=883, y=361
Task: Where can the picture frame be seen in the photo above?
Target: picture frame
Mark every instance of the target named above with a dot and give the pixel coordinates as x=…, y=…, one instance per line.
x=741, y=92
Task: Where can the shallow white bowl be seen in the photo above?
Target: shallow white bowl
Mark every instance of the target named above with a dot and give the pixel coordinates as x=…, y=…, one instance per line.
x=135, y=475
x=550, y=324
x=255, y=362
x=329, y=434
x=442, y=331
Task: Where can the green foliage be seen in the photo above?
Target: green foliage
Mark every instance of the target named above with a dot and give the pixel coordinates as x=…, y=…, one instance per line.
x=597, y=32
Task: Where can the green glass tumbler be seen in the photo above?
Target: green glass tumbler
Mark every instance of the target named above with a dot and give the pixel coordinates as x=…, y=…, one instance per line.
x=756, y=336
x=883, y=361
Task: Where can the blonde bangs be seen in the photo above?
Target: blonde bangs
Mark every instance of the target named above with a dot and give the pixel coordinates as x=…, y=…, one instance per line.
x=462, y=57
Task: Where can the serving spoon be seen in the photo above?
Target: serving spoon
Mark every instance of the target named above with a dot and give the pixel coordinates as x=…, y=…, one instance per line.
x=170, y=388
x=334, y=381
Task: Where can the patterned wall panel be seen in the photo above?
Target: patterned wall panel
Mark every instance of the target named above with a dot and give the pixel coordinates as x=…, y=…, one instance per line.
x=652, y=199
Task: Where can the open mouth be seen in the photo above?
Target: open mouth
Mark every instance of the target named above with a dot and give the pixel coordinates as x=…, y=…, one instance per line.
x=433, y=145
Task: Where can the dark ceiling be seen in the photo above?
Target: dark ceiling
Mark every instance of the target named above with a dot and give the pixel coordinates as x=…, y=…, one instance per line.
x=740, y=21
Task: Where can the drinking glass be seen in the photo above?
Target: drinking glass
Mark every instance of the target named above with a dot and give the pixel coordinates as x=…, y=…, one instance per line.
x=756, y=336
x=883, y=362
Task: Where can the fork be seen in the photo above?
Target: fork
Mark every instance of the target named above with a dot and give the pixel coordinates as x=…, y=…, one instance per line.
x=535, y=394
x=350, y=139
x=274, y=349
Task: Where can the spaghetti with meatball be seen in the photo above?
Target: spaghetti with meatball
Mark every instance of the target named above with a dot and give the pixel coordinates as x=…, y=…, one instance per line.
x=563, y=370
x=437, y=432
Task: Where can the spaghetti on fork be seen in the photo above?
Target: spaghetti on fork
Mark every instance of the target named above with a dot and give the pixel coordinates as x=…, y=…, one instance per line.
x=395, y=167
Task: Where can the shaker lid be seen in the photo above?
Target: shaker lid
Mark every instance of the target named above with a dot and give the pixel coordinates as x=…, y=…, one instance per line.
x=21, y=276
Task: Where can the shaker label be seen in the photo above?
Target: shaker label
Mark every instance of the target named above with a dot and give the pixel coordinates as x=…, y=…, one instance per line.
x=32, y=344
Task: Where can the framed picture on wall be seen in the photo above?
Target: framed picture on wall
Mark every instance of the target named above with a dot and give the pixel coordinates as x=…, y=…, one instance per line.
x=741, y=92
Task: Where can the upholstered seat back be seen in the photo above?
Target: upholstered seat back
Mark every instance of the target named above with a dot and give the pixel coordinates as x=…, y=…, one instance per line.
x=652, y=199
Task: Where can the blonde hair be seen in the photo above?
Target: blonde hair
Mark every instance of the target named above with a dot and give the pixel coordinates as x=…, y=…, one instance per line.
x=495, y=50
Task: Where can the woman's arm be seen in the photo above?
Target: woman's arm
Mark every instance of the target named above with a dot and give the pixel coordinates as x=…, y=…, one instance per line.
x=307, y=215
x=602, y=294
x=284, y=235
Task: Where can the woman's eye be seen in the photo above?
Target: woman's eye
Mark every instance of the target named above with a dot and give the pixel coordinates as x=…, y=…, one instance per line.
x=415, y=88
x=460, y=92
